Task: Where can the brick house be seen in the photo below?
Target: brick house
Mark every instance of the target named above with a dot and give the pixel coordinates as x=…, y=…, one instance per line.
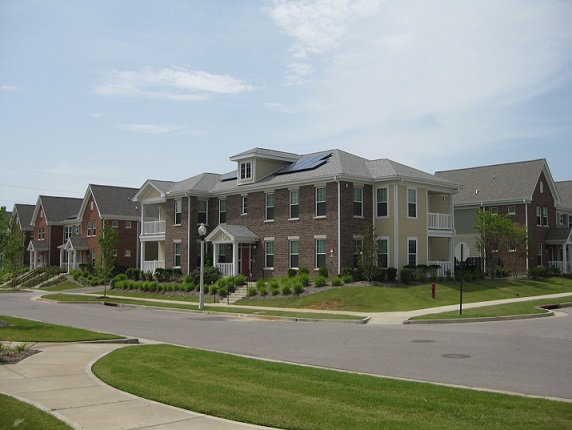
x=102, y=205
x=528, y=194
x=48, y=219
x=279, y=210
x=22, y=225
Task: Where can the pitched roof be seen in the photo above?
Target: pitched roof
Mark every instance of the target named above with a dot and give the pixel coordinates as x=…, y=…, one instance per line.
x=565, y=191
x=265, y=153
x=57, y=209
x=203, y=182
x=113, y=202
x=25, y=214
x=496, y=183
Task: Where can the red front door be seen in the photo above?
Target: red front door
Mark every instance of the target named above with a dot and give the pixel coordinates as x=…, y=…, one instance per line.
x=245, y=261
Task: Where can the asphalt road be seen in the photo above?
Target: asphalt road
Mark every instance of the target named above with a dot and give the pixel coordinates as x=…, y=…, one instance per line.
x=524, y=356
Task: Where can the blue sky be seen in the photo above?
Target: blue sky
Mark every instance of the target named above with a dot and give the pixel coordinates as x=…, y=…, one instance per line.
x=115, y=93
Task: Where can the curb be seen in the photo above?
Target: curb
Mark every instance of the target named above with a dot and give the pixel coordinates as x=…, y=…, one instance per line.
x=482, y=319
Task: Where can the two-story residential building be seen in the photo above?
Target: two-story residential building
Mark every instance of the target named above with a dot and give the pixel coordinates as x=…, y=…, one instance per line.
x=526, y=192
x=48, y=219
x=22, y=225
x=278, y=211
x=559, y=240
x=102, y=205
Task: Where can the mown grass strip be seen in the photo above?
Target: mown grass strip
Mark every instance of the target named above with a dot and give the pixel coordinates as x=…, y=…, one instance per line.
x=20, y=415
x=296, y=397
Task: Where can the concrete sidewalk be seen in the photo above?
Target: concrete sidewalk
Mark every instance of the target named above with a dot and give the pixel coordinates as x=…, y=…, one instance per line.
x=59, y=381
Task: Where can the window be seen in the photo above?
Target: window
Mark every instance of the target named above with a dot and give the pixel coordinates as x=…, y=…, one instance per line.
x=202, y=212
x=357, y=246
x=539, y=254
x=269, y=207
x=545, y=216
x=94, y=228
x=294, y=253
x=127, y=224
x=41, y=213
x=512, y=210
x=294, y=204
x=88, y=228
x=269, y=254
x=383, y=253
x=412, y=203
x=358, y=201
x=221, y=254
x=114, y=252
x=382, y=203
x=178, y=212
x=541, y=186
x=244, y=207
x=128, y=253
x=320, y=253
x=222, y=211
x=115, y=224
x=177, y=254
x=91, y=205
x=76, y=229
x=68, y=232
x=538, y=215
x=245, y=170
x=412, y=252
x=495, y=211
x=40, y=233
x=320, y=201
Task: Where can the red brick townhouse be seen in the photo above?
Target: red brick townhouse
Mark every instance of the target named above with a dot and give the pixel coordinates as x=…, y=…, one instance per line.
x=22, y=225
x=50, y=214
x=528, y=194
x=279, y=210
x=102, y=205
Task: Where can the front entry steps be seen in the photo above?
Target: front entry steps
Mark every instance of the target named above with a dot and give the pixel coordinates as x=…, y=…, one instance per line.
x=239, y=293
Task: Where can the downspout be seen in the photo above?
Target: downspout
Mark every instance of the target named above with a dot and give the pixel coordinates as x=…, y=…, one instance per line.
x=339, y=224
x=526, y=224
x=188, y=234
x=396, y=223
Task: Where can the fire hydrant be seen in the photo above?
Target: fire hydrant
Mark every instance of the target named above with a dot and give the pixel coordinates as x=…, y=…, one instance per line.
x=433, y=290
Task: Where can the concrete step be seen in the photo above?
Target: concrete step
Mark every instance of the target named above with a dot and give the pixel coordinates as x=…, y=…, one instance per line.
x=239, y=293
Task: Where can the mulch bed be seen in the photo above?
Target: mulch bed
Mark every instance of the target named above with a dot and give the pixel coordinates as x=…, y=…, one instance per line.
x=17, y=356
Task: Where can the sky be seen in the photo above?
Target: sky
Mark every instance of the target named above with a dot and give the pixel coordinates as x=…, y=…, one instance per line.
x=118, y=92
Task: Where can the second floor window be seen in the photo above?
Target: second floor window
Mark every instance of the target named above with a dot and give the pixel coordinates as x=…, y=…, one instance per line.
x=68, y=232
x=381, y=196
x=294, y=204
x=178, y=212
x=545, y=216
x=94, y=228
x=538, y=215
x=412, y=252
x=269, y=207
x=177, y=254
x=320, y=253
x=358, y=201
x=40, y=233
x=115, y=224
x=320, y=201
x=412, y=203
x=222, y=211
x=202, y=211
x=88, y=228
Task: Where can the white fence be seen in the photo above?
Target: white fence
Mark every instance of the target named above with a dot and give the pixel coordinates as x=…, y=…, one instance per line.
x=153, y=227
x=225, y=269
x=438, y=221
x=444, y=266
x=151, y=266
x=563, y=266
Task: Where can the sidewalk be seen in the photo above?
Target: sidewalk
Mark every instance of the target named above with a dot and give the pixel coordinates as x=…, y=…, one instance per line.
x=59, y=381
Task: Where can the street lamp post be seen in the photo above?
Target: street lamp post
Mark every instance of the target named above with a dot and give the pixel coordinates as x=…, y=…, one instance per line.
x=202, y=234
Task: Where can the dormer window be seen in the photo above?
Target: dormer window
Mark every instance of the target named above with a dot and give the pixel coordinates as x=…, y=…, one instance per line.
x=245, y=170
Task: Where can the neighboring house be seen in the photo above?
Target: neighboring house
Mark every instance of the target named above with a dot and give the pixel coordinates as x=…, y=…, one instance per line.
x=526, y=192
x=560, y=239
x=22, y=216
x=279, y=210
x=48, y=219
x=102, y=205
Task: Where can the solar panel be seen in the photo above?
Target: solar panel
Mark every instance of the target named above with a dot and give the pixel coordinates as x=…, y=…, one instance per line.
x=229, y=176
x=306, y=163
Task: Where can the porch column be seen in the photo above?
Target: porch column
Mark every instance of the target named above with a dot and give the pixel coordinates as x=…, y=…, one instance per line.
x=62, y=251
x=235, y=267
x=142, y=255
x=565, y=258
x=215, y=254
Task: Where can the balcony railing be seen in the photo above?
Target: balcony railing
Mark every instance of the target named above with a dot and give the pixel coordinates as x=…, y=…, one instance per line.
x=151, y=228
x=225, y=269
x=151, y=266
x=562, y=266
x=437, y=221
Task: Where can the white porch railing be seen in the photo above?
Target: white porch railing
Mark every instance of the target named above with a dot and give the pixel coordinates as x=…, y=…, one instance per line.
x=437, y=221
x=151, y=266
x=444, y=266
x=563, y=266
x=153, y=227
x=225, y=269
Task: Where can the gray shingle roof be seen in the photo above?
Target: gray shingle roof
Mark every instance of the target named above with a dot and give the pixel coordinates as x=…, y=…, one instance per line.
x=266, y=153
x=565, y=191
x=114, y=201
x=59, y=209
x=495, y=183
x=237, y=232
x=203, y=182
x=162, y=186
x=558, y=235
x=25, y=214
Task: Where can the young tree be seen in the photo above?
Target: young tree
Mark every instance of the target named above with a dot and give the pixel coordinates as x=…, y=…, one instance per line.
x=106, y=262
x=11, y=245
x=367, y=264
x=518, y=246
x=494, y=236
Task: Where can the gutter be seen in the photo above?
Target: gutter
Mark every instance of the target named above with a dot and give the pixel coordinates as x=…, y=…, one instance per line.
x=339, y=223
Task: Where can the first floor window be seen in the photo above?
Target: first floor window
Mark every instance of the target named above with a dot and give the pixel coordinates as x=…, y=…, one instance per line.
x=320, y=253
x=294, y=253
x=539, y=254
x=412, y=252
x=128, y=253
x=269, y=254
x=114, y=252
x=495, y=211
x=177, y=256
x=382, y=253
x=357, y=246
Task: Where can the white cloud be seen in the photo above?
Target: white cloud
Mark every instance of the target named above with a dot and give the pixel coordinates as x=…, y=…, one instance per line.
x=170, y=84
x=160, y=129
x=9, y=88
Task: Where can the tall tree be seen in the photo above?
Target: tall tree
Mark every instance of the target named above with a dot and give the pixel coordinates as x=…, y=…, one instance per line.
x=11, y=245
x=106, y=262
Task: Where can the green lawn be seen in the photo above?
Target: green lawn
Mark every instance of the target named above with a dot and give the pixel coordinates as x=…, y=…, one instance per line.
x=296, y=397
x=406, y=298
x=36, y=331
x=66, y=285
x=15, y=414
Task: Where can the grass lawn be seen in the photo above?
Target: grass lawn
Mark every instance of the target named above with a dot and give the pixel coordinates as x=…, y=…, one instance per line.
x=234, y=310
x=406, y=298
x=66, y=285
x=36, y=331
x=22, y=416
x=296, y=397
x=520, y=308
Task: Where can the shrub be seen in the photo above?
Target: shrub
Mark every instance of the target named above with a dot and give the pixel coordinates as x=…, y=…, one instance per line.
x=120, y=277
x=304, y=271
x=292, y=273
x=260, y=284
x=298, y=287
x=239, y=279
x=406, y=276
x=538, y=272
x=380, y=275
x=320, y=281
x=251, y=291
x=391, y=274
x=501, y=272
x=304, y=279
x=286, y=281
x=323, y=271
x=273, y=283
x=275, y=291
x=262, y=291
x=337, y=282
x=347, y=271
x=286, y=289
x=348, y=279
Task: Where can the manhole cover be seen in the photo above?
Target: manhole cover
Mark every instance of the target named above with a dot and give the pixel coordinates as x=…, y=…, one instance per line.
x=423, y=341
x=456, y=356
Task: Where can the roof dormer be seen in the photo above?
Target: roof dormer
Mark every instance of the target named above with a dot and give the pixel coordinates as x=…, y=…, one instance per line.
x=258, y=163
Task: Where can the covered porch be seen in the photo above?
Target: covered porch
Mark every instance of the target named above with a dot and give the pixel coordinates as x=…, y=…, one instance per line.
x=440, y=253
x=559, y=243
x=233, y=247
x=39, y=254
x=73, y=253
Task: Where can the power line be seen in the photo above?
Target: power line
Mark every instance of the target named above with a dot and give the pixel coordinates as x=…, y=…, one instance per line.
x=40, y=189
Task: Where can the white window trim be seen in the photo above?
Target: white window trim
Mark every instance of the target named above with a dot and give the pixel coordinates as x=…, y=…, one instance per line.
x=290, y=218
x=316, y=188
x=243, y=199
x=386, y=238
x=268, y=240
x=386, y=202
x=296, y=239
x=416, y=249
x=361, y=202
x=220, y=211
x=127, y=224
x=175, y=242
x=316, y=239
x=175, y=211
x=416, y=202
x=206, y=212
x=266, y=207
